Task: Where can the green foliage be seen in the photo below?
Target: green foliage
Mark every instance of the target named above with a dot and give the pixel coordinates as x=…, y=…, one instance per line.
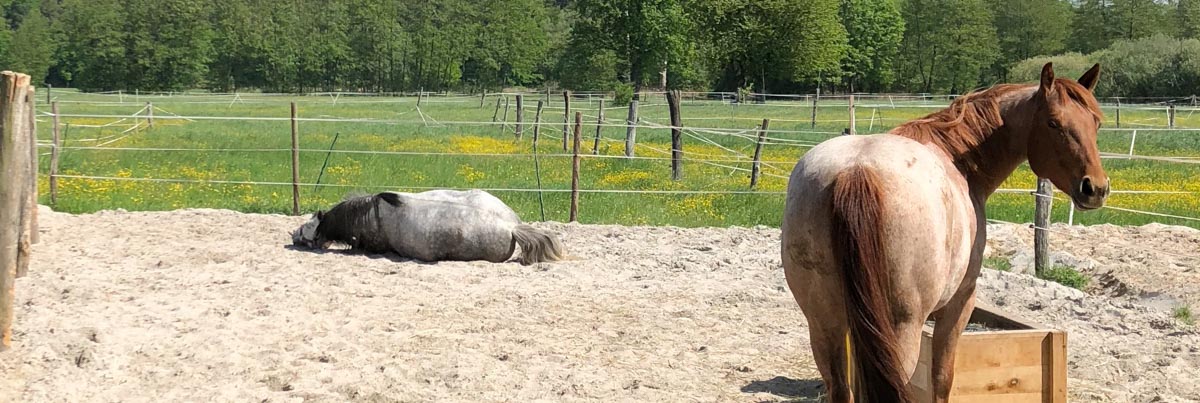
x=1156, y=65
x=1029, y=28
x=1188, y=14
x=646, y=36
x=947, y=44
x=997, y=263
x=1184, y=314
x=622, y=94
x=32, y=47
x=875, y=29
x=769, y=42
x=1071, y=65
x=1067, y=276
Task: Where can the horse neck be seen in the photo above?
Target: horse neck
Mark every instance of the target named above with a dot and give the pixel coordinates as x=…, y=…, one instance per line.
x=1006, y=147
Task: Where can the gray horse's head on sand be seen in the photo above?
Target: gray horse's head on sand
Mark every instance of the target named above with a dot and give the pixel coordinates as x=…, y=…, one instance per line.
x=430, y=226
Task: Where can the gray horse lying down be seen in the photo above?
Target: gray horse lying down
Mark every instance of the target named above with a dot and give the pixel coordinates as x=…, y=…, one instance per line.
x=430, y=226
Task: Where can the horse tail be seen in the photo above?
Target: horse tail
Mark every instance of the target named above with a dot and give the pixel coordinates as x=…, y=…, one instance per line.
x=877, y=371
x=537, y=245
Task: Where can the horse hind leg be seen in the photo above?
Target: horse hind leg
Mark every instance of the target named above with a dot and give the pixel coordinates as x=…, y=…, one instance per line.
x=949, y=327
x=829, y=345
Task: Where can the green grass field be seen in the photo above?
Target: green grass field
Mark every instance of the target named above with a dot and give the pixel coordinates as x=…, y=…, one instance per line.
x=422, y=149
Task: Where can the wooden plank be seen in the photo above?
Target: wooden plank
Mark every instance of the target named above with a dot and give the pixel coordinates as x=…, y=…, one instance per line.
x=991, y=350
x=992, y=316
x=1056, y=354
x=998, y=380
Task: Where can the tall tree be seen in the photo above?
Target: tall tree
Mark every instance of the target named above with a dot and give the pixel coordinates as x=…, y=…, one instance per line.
x=1028, y=28
x=1141, y=18
x=645, y=35
x=170, y=42
x=1188, y=14
x=508, y=43
x=771, y=42
x=947, y=45
x=875, y=29
x=32, y=48
x=93, y=53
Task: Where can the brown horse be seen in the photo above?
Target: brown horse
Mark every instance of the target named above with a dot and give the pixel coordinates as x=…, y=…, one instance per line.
x=881, y=232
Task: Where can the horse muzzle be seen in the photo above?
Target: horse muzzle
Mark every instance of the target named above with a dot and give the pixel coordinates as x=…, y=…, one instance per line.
x=1090, y=194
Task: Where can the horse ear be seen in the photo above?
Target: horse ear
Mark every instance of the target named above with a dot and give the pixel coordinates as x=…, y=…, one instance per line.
x=1091, y=77
x=1048, y=78
x=319, y=214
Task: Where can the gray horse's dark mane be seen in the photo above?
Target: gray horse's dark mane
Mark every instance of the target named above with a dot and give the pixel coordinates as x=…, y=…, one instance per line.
x=354, y=222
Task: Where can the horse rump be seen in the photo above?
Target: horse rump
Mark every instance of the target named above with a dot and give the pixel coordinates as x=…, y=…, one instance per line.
x=537, y=245
x=878, y=373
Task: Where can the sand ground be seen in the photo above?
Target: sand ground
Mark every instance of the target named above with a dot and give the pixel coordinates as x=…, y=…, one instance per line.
x=211, y=305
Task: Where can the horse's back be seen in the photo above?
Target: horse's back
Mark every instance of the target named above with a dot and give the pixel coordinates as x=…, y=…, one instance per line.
x=925, y=208
x=477, y=198
x=432, y=229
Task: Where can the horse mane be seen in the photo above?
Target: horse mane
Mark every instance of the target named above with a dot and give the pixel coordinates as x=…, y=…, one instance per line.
x=355, y=223
x=961, y=128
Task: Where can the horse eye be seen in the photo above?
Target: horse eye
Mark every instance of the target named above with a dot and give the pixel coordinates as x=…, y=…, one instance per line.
x=1053, y=124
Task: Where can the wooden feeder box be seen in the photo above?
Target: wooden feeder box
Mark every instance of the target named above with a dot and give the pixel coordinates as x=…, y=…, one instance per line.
x=1021, y=362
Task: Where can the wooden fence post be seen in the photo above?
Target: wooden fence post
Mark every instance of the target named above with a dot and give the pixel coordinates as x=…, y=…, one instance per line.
x=537, y=168
x=599, y=126
x=16, y=103
x=504, y=123
x=676, y=136
x=150, y=115
x=31, y=200
x=496, y=113
x=520, y=117
x=420, y=94
x=1041, y=222
x=482, y=98
x=566, y=118
x=56, y=145
x=295, y=164
x=853, y=129
x=814, y=107
x=1171, y=116
x=575, y=168
x=756, y=169
x=1118, y=112
x=631, y=128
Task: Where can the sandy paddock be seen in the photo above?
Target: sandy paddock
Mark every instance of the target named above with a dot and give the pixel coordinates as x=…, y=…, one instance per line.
x=208, y=305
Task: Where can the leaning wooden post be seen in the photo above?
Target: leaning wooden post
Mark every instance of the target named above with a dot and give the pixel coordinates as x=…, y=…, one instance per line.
x=631, y=128
x=520, y=117
x=15, y=101
x=756, y=168
x=566, y=118
x=853, y=130
x=150, y=115
x=55, y=146
x=1041, y=223
x=599, y=126
x=504, y=123
x=420, y=94
x=537, y=125
x=496, y=113
x=575, y=168
x=482, y=98
x=676, y=136
x=295, y=164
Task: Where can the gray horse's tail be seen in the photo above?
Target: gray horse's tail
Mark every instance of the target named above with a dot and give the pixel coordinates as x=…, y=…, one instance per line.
x=537, y=245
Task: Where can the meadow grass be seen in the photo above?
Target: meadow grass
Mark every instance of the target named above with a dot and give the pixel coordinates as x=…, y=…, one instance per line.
x=498, y=160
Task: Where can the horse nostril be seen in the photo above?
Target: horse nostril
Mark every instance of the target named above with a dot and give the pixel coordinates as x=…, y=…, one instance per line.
x=1086, y=187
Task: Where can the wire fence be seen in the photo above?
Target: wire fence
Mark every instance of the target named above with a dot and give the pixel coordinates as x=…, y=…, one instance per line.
x=727, y=155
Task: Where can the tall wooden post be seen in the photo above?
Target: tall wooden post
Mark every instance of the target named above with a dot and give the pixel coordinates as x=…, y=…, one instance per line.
x=676, y=135
x=482, y=98
x=1041, y=241
x=520, y=117
x=566, y=118
x=537, y=167
x=420, y=94
x=631, y=128
x=1171, y=116
x=756, y=168
x=853, y=129
x=599, y=126
x=1118, y=112
x=814, y=106
x=55, y=149
x=496, y=113
x=31, y=199
x=504, y=123
x=16, y=104
x=575, y=168
x=150, y=115
x=295, y=164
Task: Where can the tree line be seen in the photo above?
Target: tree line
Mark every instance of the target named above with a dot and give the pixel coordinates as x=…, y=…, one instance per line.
x=777, y=46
